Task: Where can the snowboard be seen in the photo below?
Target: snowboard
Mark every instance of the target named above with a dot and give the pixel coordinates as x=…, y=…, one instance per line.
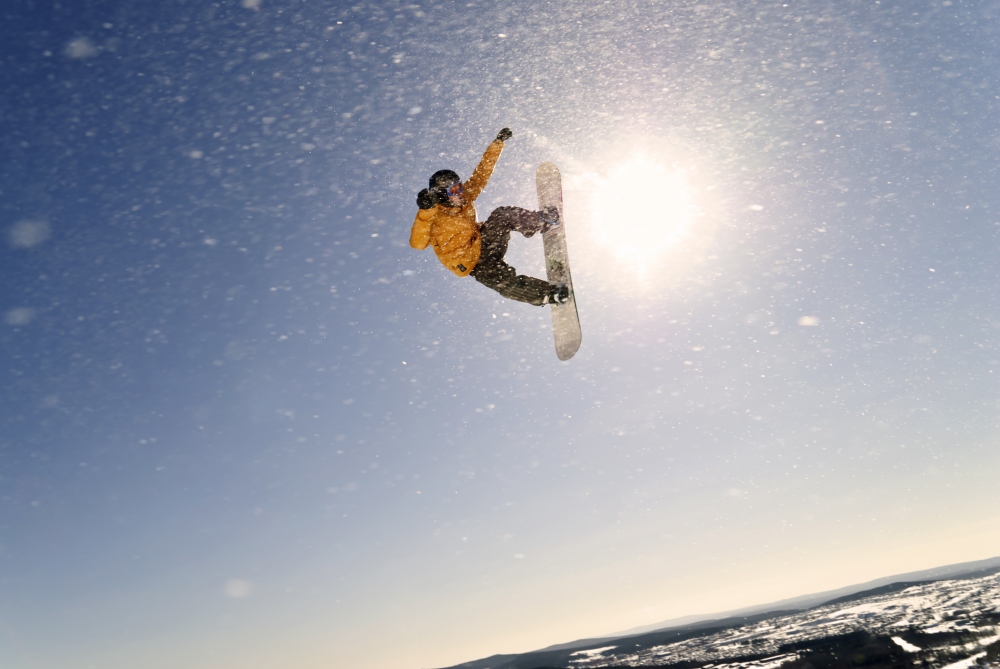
x=565, y=319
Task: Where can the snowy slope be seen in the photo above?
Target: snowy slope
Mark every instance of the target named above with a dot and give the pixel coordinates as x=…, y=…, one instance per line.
x=955, y=620
x=936, y=623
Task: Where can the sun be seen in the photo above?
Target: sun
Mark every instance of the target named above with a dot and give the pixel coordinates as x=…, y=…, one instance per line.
x=642, y=210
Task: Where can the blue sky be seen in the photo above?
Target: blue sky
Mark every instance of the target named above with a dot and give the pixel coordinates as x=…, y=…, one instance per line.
x=246, y=425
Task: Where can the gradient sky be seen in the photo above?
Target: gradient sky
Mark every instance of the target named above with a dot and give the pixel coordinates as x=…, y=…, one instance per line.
x=245, y=425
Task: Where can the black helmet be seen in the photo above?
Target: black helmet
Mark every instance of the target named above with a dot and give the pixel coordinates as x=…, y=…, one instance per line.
x=440, y=182
x=442, y=179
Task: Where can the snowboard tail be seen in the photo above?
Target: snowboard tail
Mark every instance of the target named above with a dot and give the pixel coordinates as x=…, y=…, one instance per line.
x=565, y=318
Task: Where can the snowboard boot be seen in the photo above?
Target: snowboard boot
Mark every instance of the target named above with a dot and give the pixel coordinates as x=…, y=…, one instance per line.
x=558, y=295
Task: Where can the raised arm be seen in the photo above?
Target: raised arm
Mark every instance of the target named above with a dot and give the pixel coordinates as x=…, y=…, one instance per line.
x=477, y=182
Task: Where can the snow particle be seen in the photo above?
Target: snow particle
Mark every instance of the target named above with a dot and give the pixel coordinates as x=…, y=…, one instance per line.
x=81, y=47
x=756, y=207
x=25, y=234
x=415, y=110
x=808, y=321
x=19, y=316
x=251, y=4
x=196, y=154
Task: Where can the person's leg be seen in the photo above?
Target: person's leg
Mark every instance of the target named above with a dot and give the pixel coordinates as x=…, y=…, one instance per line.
x=525, y=221
x=493, y=272
x=504, y=279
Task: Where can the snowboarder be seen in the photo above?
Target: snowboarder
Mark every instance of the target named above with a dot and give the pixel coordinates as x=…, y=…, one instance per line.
x=447, y=221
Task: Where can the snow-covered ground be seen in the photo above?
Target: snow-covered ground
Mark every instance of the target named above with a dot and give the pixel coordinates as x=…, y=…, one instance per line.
x=970, y=607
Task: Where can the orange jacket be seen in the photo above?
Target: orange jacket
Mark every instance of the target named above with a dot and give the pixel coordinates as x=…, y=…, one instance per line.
x=454, y=231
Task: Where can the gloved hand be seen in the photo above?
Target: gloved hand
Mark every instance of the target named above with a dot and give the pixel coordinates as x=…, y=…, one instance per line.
x=425, y=200
x=504, y=134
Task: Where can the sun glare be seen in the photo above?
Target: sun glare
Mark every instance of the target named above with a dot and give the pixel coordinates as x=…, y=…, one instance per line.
x=642, y=210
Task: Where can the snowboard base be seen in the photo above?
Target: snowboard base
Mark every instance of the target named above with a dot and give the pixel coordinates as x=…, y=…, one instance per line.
x=565, y=318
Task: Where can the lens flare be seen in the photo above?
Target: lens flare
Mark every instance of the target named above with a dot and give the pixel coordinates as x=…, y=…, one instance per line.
x=642, y=210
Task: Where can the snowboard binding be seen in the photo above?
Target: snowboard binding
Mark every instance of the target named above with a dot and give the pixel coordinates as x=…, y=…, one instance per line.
x=550, y=218
x=559, y=295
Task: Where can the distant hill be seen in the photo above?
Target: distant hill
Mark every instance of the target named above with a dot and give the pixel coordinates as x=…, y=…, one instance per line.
x=679, y=629
x=557, y=656
x=960, y=570
x=903, y=585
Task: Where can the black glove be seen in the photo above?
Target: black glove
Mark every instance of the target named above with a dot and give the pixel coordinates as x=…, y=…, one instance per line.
x=425, y=200
x=504, y=134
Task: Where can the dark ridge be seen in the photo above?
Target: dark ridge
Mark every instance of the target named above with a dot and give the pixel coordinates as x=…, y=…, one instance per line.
x=561, y=658
x=491, y=662
x=881, y=590
x=988, y=571
x=903, y=585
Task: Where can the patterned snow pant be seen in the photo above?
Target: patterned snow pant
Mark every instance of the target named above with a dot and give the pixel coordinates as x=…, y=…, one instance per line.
x=493, y=272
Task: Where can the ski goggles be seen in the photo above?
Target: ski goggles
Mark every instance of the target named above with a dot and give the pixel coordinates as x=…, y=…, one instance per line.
x=455, y=190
